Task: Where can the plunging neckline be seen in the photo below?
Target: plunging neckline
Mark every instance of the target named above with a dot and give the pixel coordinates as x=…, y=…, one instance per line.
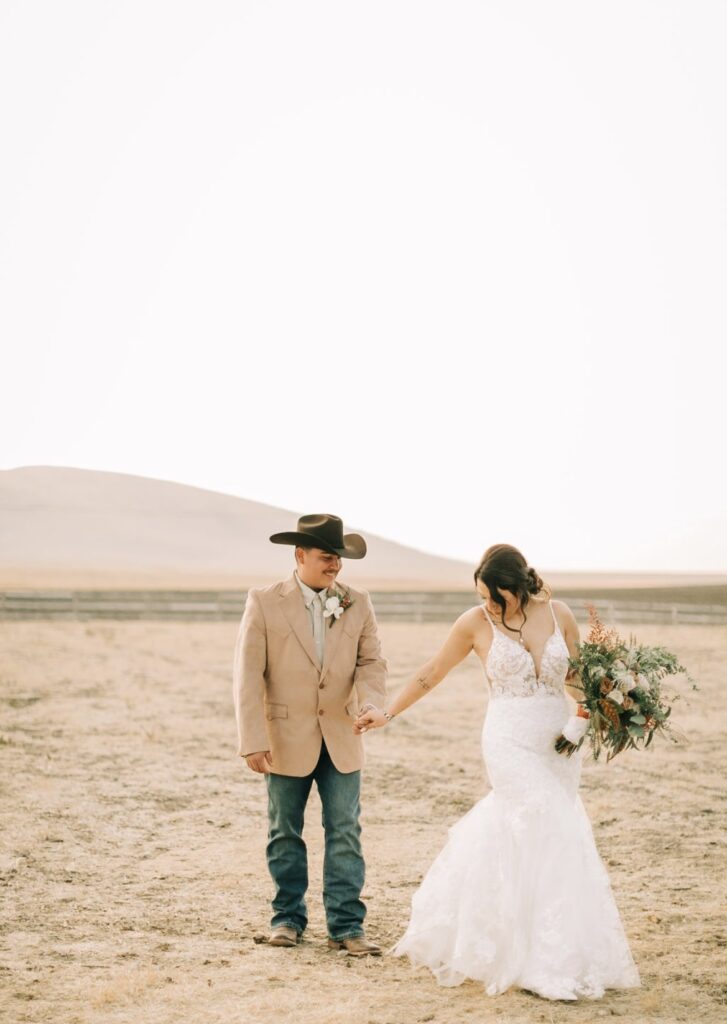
x=522, y=647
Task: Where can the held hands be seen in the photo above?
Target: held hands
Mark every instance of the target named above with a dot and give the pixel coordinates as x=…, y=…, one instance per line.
x=260, y=762
x=369, y=718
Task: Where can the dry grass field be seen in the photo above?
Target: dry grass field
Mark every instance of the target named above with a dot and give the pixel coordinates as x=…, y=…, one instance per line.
x=132, y=863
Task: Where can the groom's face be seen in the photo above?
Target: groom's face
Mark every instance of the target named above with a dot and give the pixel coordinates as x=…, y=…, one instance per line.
x=317, y=568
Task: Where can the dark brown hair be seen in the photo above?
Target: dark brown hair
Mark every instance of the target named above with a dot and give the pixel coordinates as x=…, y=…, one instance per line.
x=504, y=567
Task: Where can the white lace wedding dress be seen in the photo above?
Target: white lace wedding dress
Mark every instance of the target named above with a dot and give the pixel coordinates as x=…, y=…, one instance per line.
x=519, y=895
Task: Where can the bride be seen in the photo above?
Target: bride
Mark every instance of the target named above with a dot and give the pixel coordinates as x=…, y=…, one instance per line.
x=519, y=895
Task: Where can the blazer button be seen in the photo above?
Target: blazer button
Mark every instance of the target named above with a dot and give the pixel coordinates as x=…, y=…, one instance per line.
x=320, y=712
x=321, y=686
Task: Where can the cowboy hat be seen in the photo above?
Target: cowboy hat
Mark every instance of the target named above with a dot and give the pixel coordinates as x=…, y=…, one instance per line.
x=325, y=532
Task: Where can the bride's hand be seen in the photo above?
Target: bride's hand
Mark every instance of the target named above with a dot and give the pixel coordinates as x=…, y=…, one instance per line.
x=573, y=733
x=370, y=718
x=564, y=746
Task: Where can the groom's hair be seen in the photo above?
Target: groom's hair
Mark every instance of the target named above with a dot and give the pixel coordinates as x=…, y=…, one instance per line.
x=307, y=545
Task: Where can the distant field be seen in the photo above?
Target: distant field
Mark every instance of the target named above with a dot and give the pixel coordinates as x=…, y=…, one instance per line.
x=31, y=577
x=649, y=595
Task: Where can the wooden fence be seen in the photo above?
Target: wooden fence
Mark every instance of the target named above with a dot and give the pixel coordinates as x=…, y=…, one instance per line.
x=227, y=605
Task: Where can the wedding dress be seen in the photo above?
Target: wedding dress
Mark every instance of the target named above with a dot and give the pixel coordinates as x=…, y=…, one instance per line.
x=519, y=895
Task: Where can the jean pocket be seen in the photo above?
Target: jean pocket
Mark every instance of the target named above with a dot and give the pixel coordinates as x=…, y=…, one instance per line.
x=275, y=710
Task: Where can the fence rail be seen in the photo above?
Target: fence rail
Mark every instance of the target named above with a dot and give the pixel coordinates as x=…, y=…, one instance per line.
x=391, y=606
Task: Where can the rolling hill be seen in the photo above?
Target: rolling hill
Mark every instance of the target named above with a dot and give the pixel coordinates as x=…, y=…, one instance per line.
x=77, y=528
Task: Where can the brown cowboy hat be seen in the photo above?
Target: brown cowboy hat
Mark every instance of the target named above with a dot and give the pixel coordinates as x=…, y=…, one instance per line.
x=325, y=532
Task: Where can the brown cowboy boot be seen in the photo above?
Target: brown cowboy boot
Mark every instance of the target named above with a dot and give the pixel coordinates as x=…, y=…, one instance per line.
x=357, y=946
x=283, y=936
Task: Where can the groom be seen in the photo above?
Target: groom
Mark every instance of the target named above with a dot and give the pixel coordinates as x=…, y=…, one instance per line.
x=307, y=662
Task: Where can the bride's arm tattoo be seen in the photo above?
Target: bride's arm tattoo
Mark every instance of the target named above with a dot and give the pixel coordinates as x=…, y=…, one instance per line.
x=422, y=680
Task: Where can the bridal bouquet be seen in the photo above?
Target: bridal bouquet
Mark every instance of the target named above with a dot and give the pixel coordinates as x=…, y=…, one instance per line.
x=622, y=690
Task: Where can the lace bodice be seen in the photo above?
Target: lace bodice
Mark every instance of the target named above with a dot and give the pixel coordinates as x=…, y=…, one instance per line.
x=510, y=668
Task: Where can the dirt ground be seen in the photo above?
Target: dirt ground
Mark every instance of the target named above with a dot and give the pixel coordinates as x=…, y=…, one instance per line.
x=132, y=866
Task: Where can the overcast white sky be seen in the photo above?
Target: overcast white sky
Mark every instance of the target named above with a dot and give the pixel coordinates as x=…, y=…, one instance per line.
x=454, y=271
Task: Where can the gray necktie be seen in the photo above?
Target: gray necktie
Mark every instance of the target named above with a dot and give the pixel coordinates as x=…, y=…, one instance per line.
x=318, y=626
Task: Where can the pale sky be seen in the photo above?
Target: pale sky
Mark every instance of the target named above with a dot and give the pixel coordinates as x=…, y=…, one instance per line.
x=454, y=271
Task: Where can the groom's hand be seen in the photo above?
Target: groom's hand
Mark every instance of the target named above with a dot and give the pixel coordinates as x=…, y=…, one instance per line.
x=370, y=718
x=260, y=762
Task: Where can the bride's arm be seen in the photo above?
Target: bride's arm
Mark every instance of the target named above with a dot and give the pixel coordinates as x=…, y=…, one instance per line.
x=575, y=728
x=572, y=637
x=455, y=649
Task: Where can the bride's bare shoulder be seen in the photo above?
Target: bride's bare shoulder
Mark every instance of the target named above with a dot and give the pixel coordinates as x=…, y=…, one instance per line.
x=473, y=624
x=473, y=617
x=563, y=614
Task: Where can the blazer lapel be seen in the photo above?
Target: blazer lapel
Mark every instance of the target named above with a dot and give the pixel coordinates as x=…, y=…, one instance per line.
x=295, y=612
x=333, y=638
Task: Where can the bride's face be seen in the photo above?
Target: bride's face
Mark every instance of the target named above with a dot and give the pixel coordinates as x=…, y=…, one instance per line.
x=493, y=608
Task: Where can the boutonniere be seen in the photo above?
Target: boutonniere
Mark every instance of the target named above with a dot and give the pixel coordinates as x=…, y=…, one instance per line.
x=336, y=605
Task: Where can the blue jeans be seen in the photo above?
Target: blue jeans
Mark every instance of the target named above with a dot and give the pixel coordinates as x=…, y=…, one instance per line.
x=343, y=864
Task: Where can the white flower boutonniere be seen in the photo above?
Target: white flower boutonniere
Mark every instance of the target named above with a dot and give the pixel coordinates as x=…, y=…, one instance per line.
x=336, y=605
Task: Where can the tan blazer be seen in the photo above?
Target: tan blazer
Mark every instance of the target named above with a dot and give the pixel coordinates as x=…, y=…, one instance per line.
x=285, y=700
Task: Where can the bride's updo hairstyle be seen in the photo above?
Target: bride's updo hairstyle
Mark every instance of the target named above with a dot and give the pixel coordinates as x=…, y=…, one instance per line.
x=504, y=567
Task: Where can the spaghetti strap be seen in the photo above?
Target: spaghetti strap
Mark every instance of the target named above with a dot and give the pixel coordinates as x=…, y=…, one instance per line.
x=555, y=621
x=487, y=616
